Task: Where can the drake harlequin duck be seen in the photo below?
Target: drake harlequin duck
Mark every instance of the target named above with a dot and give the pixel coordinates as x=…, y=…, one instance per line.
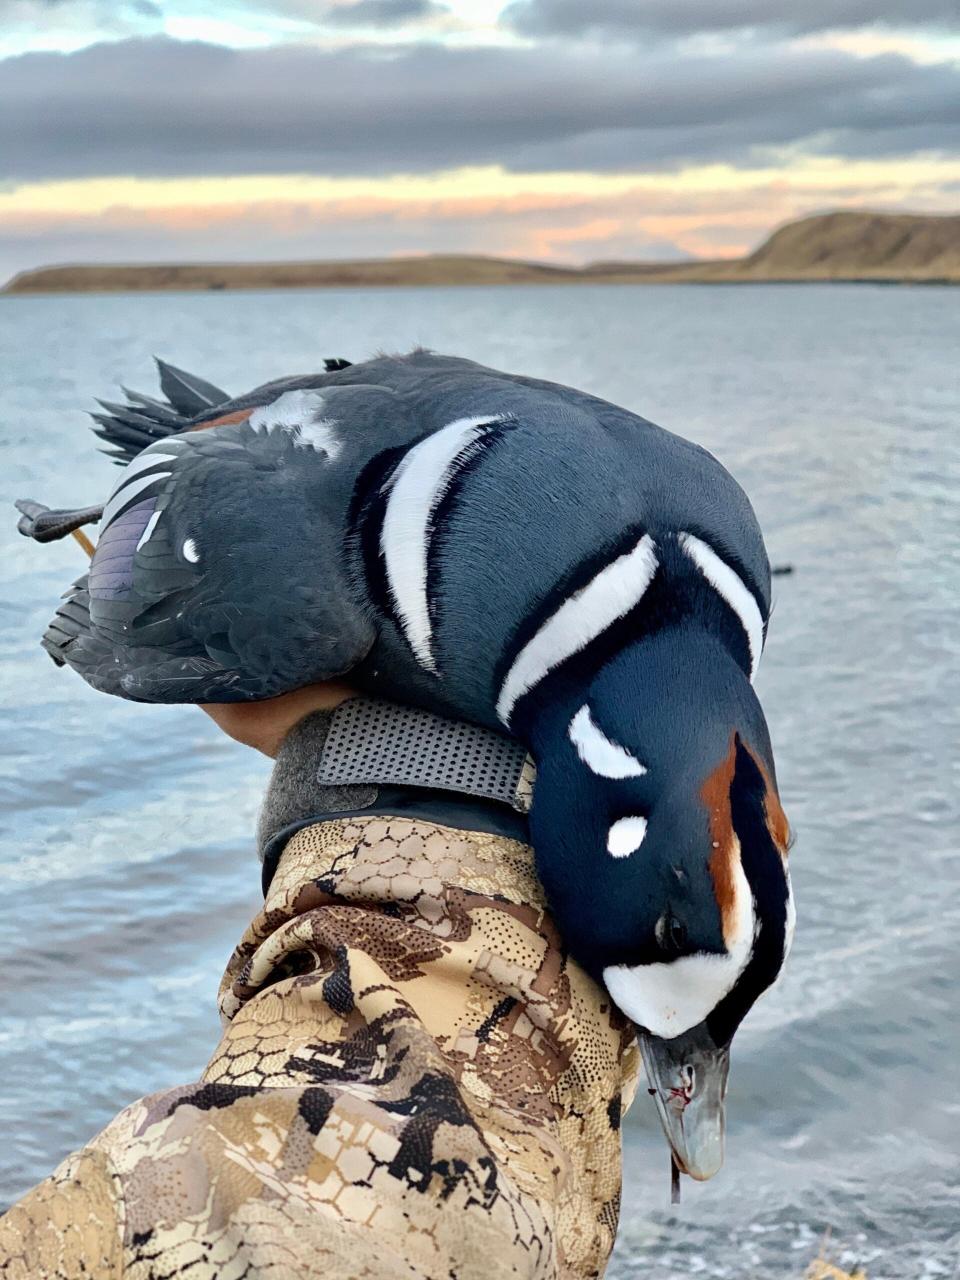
x=501, y=550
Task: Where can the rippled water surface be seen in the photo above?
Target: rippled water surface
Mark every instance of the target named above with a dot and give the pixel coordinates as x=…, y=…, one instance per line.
x=127, y=863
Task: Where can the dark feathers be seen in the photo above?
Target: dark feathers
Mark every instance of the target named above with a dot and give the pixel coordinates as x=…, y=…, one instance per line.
x=142, y=421
x=129, y=428
x=497, y=549
x=188, y=394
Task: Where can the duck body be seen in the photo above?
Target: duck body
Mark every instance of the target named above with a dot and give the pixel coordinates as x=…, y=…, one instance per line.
x=506, y=551
x=419, y=572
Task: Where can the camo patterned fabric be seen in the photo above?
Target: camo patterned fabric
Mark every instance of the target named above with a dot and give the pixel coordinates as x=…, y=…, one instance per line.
x=413, y=1081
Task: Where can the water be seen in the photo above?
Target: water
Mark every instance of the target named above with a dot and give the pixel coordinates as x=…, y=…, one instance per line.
x=127, y=863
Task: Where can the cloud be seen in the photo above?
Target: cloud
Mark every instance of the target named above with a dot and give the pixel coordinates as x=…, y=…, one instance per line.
x=57, y=24
x=91, y=12
x=674, y=18
x=383, y=13
x=154, y=107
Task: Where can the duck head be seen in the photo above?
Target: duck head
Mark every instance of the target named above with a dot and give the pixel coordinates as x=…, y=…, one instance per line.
x=662, y=846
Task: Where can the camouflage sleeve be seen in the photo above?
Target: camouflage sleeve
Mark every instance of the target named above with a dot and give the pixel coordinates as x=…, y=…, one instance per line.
x=69, y=1226
x=413, y=1081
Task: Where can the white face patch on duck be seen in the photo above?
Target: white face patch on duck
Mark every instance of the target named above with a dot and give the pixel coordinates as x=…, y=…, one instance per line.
x=602, y=756
x=669, y=998
x=607, y=597
x=300, y=414
x=416, y=489
x=731, y=588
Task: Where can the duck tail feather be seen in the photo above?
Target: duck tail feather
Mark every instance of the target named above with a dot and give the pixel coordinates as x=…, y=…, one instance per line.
x=129, y=428
x=188, y=394
x=153, y=408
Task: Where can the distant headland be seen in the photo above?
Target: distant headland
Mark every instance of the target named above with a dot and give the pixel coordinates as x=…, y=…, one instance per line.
x=882, y=248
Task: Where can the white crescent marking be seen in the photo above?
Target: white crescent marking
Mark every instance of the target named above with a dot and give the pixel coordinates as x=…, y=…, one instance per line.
x=142, y=462
x=125, y=493
x=148, y=531
x=416, y=490
x=613, y=592
x=731, y=587
x=603, y=757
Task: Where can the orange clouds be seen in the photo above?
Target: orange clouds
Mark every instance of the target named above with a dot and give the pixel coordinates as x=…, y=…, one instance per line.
x=710, y=212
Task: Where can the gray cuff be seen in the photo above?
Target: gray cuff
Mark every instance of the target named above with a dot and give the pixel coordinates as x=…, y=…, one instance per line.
x=293, y=793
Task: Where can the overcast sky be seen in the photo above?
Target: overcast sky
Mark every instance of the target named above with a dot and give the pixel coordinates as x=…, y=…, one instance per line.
x=564, y=130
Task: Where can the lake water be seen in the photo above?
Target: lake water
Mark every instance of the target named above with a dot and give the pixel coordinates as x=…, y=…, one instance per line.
x=127, y=864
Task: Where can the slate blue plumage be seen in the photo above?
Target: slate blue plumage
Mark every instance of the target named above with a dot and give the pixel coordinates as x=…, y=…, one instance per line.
x=503, y=550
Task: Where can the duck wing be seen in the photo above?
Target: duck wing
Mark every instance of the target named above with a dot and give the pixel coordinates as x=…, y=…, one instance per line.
x=223, y=567
x=127, y=428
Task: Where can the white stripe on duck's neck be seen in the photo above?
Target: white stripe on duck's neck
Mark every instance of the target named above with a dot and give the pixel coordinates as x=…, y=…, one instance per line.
x=583, y=616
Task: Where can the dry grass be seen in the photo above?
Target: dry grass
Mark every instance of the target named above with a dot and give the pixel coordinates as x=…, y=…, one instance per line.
x=822, y=1269
x=878, y=247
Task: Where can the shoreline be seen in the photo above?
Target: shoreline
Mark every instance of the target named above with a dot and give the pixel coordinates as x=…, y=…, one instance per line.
x=153, y=287
x=832, y=248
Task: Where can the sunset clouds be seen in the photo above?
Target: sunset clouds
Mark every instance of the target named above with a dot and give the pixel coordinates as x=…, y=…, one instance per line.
x=396, y=126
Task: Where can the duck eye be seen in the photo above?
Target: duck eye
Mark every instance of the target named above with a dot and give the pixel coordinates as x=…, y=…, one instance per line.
x=671, y=934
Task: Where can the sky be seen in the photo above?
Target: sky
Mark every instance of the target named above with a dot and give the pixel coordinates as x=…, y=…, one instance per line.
x=558, y=130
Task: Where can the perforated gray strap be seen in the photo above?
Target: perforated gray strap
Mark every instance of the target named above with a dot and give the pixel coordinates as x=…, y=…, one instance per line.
x=380, y=743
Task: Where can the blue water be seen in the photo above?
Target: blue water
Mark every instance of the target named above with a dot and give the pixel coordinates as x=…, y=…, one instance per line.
x=126, y=859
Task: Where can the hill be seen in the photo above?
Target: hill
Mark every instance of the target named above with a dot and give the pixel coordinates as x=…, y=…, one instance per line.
x=861, y=246
x=879, y=247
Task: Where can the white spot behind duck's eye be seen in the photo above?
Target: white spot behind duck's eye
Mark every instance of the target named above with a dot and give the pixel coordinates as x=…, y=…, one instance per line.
x=190, y=551
x=605, y=758
x=626, y=836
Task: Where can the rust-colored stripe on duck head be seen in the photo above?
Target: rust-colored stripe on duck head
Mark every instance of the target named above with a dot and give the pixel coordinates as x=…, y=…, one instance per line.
x=777, y=823
x=715, y=794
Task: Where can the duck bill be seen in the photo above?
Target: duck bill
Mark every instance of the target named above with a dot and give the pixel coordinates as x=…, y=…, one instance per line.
x=688, y=1079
